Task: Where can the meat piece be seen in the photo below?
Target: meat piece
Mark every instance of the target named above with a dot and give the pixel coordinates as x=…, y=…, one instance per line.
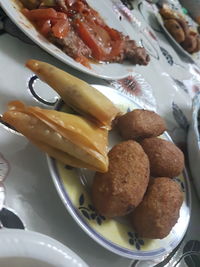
x=137, y=55
x=122, y=188
x=165, y=158
x=131, y=52
x=72, y=45
x=159, y=210
x=139, y=124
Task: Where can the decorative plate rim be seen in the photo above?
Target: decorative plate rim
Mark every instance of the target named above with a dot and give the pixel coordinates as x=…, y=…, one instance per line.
x=117, y=249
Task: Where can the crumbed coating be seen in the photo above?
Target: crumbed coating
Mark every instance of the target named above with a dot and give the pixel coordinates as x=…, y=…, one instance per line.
x=159, y=210
x=122, y=188
x=165, y=158
x=139, y=124
x=190, y=43
x=197, y=49
x=175, y=29
x=167, y=13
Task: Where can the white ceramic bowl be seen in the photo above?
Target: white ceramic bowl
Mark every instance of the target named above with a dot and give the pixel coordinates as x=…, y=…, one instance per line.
x=193, y=143
x=22, y=248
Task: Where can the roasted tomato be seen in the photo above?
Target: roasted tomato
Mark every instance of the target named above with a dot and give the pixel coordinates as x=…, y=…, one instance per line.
x=40, y=14
x=60, y=28
x=101, y=42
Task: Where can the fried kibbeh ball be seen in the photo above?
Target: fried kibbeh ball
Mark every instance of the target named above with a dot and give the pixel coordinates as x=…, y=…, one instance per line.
x=140, y=123
x=167, y=13
x=121, y=189
x=197, y=49
x=165, y=158
x=190, y=43
x=175, y=29
x=159, y=210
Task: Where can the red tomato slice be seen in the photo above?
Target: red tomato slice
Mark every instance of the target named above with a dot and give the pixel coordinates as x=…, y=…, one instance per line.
x=44, y=27
x=40, y=14
x=114, y=34
x=95, y=38
x=61, y=28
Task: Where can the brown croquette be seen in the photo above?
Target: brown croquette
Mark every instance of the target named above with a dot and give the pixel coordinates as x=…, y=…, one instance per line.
x=122, y=188
x=166, y=159
x=139, y=124
x=159, y=210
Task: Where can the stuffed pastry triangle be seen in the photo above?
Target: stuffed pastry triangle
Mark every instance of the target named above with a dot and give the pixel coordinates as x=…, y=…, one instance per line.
x=69, y=138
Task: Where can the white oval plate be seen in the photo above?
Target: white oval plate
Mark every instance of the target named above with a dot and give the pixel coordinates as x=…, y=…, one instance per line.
x=194, y=56
x=25, y=248
x=116, y=235
x=111, y=71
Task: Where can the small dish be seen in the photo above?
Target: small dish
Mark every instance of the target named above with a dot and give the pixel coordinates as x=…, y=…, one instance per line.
x=193, y=143
x=25, y=248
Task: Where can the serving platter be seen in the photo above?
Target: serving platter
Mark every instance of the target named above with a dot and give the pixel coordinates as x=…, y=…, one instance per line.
x=117, y=235
x=111, y=71
x=194, y=56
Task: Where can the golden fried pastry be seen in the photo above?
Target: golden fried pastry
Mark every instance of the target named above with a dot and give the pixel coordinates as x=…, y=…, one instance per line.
x=139, y=124
x=159, y=210
x=76, y=93
x=165, y=158
x=175, y=29
x=69, y=138
x=122, y=188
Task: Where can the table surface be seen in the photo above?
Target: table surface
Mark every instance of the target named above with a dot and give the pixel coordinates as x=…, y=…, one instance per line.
x=167, y=86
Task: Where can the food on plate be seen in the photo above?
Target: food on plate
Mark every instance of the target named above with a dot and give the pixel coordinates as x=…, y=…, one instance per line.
x=140, y=123
x=68, y=138
x=175, y=29
x=118, y=191
x=165, y=158
x=159, y=210
x=31, y=4
x=167, y=13
x=178, y=27
x=191, y=43
x=80, y=32
x=76, y=93
x=198, y=45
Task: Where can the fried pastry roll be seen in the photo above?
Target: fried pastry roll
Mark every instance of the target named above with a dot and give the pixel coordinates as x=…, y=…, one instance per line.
x=76, y=93
x=71, y=139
